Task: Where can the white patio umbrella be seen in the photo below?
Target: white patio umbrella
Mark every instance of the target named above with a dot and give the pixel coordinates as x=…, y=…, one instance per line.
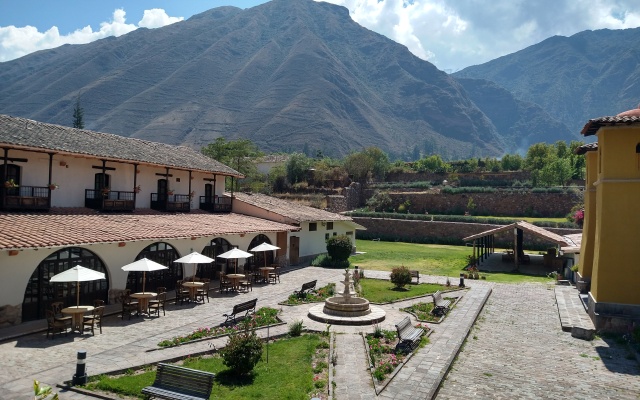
x=235, y=254
x=78, y=274
x=144, y=265
x=194, y=258
x=265, y=247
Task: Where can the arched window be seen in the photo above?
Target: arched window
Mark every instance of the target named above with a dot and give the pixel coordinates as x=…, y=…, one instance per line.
x=40, y=293
x=162, y=253
x=215, y=248
x=258, y=259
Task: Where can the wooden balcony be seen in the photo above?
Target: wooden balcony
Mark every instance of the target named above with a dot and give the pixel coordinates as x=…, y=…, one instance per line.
x=171, y=202
x=216, y=204
x=113, y=200
x=25, y=198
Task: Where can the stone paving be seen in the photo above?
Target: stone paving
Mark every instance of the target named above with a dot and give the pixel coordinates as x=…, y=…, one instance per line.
x=516, y=350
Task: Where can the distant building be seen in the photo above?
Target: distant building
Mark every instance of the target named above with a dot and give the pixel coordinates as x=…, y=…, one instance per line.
x=611, y=230
x=266, y=163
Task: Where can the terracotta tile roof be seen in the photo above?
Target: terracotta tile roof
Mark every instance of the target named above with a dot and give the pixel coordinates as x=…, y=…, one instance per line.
x=26, y=133
x=593, y=125
x=574, y=241
x=68, y=227
x=294, y=211
x=586, y=147
x=525, y=226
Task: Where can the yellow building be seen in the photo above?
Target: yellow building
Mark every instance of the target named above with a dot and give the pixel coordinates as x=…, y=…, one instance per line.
x=611, y=231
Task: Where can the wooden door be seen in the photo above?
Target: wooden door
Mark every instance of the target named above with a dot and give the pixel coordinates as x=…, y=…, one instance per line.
x=294, y=250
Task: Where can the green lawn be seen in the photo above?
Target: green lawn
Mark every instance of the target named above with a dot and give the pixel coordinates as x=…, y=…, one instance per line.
x=288, y=375
x=429, y=259
x=382, y=291
x=528, y=219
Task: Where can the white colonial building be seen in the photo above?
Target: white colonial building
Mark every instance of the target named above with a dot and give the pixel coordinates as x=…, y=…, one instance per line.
x=76, y=197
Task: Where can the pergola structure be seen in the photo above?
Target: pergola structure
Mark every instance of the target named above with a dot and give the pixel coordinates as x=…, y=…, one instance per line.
x=485, y=243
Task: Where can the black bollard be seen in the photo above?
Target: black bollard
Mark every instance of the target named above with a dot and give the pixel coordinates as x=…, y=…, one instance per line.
x=80, y=378
x=461, y=280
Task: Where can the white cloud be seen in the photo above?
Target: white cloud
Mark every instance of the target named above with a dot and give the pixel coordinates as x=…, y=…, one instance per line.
x=456, y=34
x=157, y=18
x=18, y=41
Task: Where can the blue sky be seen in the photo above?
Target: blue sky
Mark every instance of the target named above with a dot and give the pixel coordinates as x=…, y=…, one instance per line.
x=449, y=34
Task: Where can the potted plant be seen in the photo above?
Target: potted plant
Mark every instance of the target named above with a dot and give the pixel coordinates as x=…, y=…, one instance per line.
x=137, y=189
x=10, y=184
x=105, y=191
x=170, y=192
x=53, y=186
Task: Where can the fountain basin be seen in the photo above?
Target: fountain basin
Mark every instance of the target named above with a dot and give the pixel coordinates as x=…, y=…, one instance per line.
x=347, y=307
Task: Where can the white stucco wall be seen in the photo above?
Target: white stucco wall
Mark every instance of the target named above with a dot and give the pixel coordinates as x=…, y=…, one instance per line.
x=15, y=271
x=74, y=174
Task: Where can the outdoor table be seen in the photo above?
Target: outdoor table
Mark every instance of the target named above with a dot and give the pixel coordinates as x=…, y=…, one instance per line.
x=235, y=279
x=193, y=288
x=265, y=273
x=143, y=298
x=76, y=312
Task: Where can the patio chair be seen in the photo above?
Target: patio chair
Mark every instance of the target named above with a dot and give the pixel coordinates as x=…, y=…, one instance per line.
x=225, y=284
x=203, y=292
x=181, y=293
x=275, y=274
x=54, y=325
x=94, y=319
x=157, y=304
x=98, y=303
x=57, y=307
x=247, y=283
x=161, y=289
x=129, y=306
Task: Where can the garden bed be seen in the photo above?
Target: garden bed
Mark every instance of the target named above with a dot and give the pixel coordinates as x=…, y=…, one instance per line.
x=297, y=366
x=423, y=311
x=315, y=296
x=384, y=362
x=382, y=291
x=263, y=317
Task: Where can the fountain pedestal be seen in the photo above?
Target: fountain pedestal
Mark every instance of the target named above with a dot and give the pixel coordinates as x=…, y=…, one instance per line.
x=346, y=310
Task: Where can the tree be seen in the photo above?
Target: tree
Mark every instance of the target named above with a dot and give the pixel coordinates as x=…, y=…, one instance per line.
x=556, y=172
x=339, y=247
x=358, y=166
x=238, y=154
x=78, y=115
x=298, y=167
x=380, y=161
x=512, y=162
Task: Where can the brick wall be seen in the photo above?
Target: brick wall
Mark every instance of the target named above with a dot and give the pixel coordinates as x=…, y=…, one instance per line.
x=443, y=232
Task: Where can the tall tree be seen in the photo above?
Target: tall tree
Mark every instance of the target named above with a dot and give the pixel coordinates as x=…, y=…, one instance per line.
x=78, y=115
x=238, y=154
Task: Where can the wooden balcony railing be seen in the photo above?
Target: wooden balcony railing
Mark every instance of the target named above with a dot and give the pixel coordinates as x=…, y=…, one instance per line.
x=113, y=200
x=25, y=198
x=215, y=204
x=171, y=202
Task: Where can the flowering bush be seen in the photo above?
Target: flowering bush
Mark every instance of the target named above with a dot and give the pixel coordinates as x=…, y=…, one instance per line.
x=383, y=358
x=578, y=217
x=243, y=350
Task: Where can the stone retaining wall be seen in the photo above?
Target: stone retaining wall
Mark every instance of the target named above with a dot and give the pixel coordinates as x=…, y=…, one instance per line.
x=498, y=203
x=443, y=232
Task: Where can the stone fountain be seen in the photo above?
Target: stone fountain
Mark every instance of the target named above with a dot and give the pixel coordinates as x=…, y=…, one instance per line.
x=346, y=308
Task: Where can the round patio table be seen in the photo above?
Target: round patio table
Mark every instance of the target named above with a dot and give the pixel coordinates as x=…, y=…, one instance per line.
x=143, y=298
x=235, y=279
x=265, y=273
x=77, y=312
x=193, y=288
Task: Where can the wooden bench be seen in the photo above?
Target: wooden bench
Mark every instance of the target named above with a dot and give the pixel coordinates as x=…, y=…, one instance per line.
x=408, y=334
x=306, y=288
x=415, y=274
x=174, y=382
x=246, y=307
x=440, y=305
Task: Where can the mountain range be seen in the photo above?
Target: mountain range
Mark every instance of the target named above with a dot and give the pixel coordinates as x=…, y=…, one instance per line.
x=302, y=74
